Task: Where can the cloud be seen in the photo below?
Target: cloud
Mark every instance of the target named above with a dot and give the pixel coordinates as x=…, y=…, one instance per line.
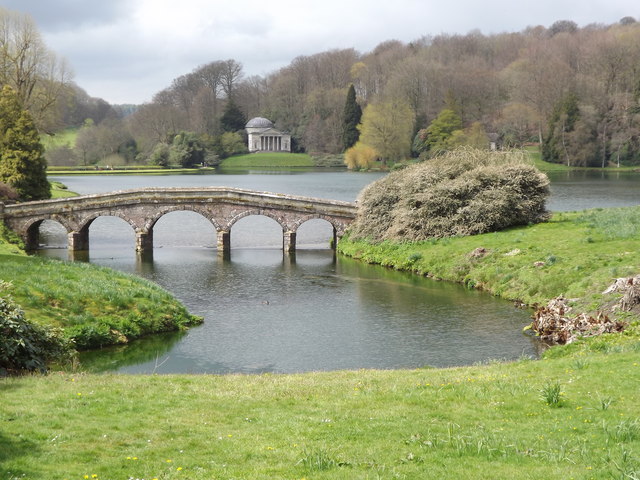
x=57, y=15
x=127, y=50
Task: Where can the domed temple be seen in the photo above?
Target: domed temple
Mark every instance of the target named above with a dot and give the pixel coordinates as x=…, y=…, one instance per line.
x=263, y=136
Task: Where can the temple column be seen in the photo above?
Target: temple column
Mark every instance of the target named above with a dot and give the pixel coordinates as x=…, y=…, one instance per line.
x=144, y=241
x=78, y=240
x=289, y=242
x=224, y=241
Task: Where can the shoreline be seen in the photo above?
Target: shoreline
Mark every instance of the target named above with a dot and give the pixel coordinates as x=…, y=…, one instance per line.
x=575, y=254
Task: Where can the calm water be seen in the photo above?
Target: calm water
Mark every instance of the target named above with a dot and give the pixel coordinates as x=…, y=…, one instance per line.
x=582, y=190
x=269, y=312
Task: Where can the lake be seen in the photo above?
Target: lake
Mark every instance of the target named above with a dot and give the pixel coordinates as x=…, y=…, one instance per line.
x=266, y=311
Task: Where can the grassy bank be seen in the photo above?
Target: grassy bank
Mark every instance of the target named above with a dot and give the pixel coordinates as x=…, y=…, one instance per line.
x=59, y=190
x=548, y=167
x=279, y=160
x=498, y=421
x=576, y=254
x=95, y=306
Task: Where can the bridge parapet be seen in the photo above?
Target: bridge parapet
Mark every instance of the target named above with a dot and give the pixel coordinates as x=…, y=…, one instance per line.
x=144, y=207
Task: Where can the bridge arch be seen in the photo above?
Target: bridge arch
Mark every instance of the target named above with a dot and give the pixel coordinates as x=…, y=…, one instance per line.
x=255, y=230
x=31, y=229
x=316, y=216
x=204, y=211
x=300, y=232
x=85, y=222
x=258, y=211
x=79, y=235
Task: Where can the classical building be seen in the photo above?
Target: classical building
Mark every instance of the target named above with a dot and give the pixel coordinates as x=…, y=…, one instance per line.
x=263, y=137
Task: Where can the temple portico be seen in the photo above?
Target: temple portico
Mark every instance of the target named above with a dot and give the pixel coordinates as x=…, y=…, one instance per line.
x=263, y=137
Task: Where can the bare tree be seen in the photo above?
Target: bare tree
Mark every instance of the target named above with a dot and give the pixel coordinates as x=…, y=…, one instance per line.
x=26, y=64
x=231, y=75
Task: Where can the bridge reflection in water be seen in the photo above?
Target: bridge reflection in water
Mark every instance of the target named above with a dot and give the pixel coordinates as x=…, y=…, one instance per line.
x=142, y=209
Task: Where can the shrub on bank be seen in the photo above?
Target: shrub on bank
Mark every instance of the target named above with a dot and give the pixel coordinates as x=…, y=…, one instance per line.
x=25, y=346
x=463, y=192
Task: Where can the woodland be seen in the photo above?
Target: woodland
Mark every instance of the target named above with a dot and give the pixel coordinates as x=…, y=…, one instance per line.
x=574, y=91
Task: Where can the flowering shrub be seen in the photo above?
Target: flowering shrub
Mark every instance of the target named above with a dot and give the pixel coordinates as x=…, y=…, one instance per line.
x=463, y=192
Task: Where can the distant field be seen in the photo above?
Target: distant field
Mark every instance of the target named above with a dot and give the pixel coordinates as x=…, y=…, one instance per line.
x=59, y=139
x=269, y=160
x=536, y=156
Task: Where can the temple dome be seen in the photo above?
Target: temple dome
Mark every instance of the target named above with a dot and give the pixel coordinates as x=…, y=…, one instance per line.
x=259, y=122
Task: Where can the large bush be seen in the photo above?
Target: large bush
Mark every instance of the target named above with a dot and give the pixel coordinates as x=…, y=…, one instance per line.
x=463, y=192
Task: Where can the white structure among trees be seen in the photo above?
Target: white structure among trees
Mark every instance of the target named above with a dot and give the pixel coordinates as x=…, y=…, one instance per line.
x=263, y=137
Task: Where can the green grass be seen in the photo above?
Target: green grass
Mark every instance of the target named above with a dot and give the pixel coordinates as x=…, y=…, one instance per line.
x=59, y=190
x=269, y=160
x=547, y=167
x=582, y=252
x=65, y=137
x=10, y=243
x=95, y=306
x=482, y=422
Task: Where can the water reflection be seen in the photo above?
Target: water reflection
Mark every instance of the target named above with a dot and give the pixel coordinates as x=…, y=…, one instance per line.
x=152, y=349
x=266, y=311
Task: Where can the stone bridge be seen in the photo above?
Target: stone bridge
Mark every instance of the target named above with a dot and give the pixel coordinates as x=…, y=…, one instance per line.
x=142, y=208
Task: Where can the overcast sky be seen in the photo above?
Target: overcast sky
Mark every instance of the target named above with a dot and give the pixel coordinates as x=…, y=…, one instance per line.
x=126, y=50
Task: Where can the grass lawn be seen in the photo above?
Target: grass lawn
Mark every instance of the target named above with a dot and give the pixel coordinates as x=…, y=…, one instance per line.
x=553, y=419
x=271, y=159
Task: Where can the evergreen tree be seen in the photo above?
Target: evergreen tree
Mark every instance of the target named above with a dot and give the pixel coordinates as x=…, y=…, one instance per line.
x=232, y=120
x=351, y=120
x=22, y=162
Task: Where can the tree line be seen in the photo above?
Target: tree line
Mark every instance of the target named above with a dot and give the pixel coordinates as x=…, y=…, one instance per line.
x=573, y=90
